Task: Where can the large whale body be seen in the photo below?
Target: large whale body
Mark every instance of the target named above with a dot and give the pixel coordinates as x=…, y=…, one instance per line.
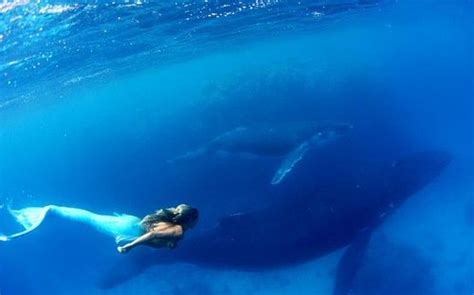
x=289, y=140
x=309, y=225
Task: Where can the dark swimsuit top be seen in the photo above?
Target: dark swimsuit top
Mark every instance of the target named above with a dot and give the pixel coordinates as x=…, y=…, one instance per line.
x=169, y=242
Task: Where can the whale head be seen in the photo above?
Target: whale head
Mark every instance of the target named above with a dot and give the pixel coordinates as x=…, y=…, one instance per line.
x=411, y=173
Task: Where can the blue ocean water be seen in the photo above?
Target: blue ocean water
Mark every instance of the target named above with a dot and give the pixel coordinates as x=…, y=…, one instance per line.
x=96, y=97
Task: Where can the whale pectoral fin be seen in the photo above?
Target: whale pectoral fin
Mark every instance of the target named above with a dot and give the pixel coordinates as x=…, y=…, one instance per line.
x=290, y=162
x=350, y=263
x=189, y=155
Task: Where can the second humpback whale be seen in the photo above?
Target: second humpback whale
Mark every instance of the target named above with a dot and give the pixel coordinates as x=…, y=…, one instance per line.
x=290, y=140
x=342, y=211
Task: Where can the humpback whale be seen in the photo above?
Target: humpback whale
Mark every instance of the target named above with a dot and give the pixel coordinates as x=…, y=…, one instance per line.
x=291, y=141
x=306, y=226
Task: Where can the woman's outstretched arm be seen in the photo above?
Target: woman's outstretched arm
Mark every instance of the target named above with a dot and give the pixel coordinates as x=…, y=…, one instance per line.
x=140, y=240
x=172, y=231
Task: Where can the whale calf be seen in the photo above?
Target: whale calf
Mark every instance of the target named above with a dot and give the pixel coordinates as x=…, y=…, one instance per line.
x=341, y=212
x=290, y=140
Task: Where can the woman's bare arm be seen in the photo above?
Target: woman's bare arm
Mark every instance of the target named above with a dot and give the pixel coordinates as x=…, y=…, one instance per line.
x=140, y=240
x=171, y=231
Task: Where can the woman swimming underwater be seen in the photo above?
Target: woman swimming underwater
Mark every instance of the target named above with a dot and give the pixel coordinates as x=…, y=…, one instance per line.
x=164, y=228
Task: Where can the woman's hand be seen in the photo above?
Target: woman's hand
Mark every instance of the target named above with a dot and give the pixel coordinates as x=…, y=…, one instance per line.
x=122, y=249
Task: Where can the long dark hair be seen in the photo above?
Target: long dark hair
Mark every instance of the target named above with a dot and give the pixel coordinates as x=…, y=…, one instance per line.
x=187, y=218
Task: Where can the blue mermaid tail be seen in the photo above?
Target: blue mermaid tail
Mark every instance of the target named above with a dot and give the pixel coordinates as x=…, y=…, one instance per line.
x=122, y=227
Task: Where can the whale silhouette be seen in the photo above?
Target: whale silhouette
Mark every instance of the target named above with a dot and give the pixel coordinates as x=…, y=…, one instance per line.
x=289, y=140
x=340, y=212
